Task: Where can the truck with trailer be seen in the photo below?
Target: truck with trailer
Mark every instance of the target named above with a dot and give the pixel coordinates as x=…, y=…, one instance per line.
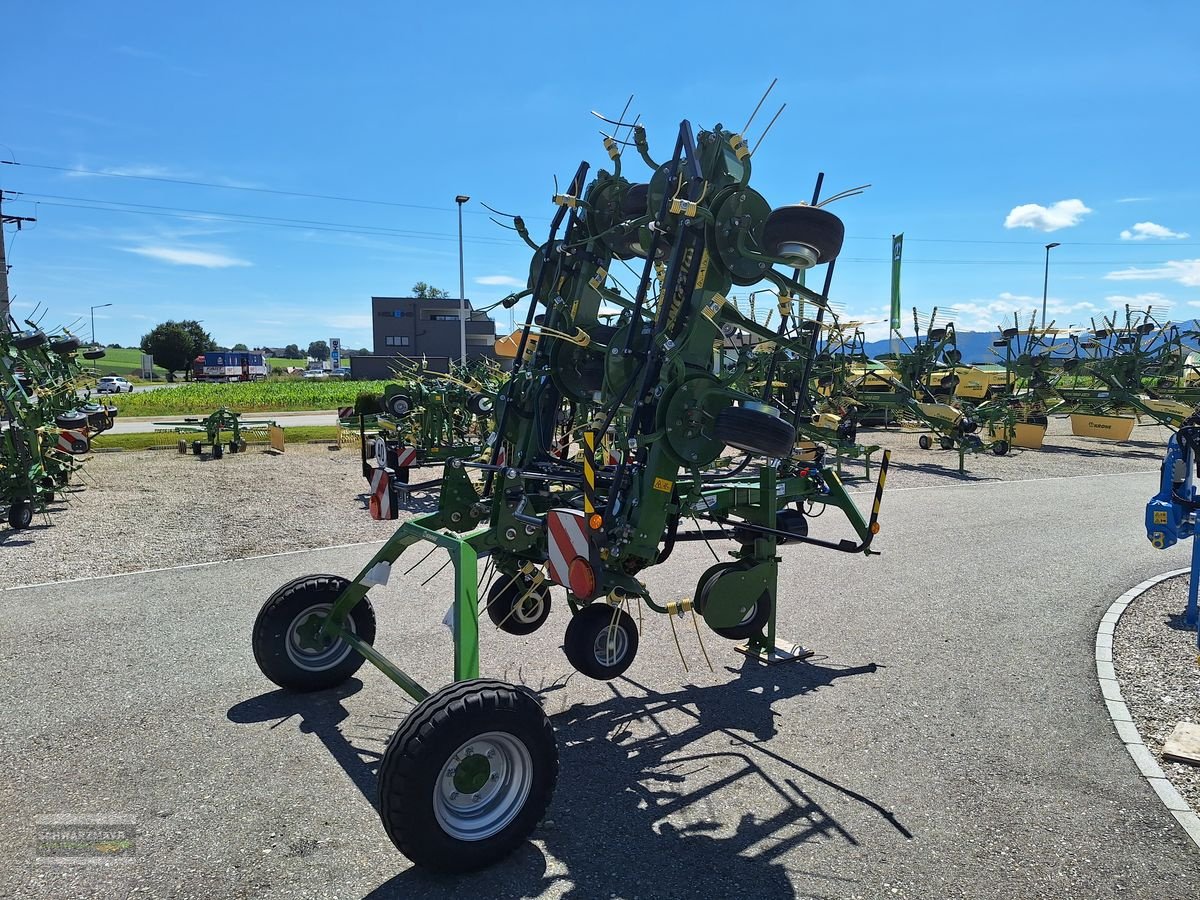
x=230, y=365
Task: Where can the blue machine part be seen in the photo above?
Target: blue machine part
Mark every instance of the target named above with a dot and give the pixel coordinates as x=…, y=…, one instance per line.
x=1170, y=514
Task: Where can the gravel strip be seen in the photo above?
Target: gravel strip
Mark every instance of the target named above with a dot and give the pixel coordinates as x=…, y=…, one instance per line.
x=1155, y=659
x=150, y=509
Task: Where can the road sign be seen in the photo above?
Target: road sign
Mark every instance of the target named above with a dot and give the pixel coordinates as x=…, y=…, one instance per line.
x=335, y=353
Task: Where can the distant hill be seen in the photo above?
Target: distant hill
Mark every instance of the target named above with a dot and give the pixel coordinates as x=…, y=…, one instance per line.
x=976, y=346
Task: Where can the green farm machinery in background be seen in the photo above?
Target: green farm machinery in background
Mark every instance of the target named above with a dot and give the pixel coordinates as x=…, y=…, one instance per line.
x=471, y=770
x=46, y=426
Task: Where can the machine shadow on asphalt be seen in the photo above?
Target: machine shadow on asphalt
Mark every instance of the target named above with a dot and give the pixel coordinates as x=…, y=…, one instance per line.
x=640, y=774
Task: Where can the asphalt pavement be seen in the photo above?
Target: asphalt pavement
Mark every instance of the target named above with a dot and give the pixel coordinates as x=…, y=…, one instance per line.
x=949, y=738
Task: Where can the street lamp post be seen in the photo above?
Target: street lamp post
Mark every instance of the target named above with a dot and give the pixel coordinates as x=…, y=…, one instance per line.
x=1046, y=280
x=92, y=310
x=462, y=289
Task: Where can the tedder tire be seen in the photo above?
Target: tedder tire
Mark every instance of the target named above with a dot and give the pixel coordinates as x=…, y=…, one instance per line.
x=183, y=447
x=218, y=451
x=514, y=612
x=817, y=228
x=399, y=405
x=20, y=514
x=924, y=442
x=946, y=443
x=467, y=775
x=197, y=448
x=754, y=431
x=756, y=618
x=1000, y=448
x=279, y=632
x=586, y=642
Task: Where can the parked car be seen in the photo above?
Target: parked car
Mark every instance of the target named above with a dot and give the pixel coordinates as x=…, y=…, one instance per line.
x=113, y=384
x=316, y=373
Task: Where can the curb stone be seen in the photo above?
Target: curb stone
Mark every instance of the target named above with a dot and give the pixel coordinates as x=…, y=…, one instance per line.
x=1119, y=713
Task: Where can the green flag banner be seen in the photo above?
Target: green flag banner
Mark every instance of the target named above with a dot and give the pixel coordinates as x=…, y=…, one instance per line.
x=897, y=250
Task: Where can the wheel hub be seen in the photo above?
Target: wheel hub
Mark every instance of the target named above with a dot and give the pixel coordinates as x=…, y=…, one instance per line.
x=308, y=648
x=610, y=645
x=485, y=783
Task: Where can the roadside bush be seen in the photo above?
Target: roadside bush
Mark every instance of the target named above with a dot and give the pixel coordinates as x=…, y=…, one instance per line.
x=368, y=403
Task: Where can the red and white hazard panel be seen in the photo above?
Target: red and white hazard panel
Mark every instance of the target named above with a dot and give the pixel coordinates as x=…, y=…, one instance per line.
x=74, y=441
x=571, y=552
x=406, y=457
x=380, y=503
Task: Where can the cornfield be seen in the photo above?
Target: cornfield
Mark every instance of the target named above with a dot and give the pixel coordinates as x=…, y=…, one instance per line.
x=248, y=397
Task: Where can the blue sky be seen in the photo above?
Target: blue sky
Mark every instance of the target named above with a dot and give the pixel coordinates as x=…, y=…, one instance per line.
x=1070, y=122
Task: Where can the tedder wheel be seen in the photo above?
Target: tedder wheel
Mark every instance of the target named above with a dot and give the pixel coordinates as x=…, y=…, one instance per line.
x=807, y=232
x=183, y=445
x=20, y=514
x=514, y=607
x=233, y=447
x=756, y=617
x=754, y=431
x=1000, y=448
x=398, y=405
x=218, y=451
x=197, y=448
x=946, y=442
x=480, y=404
x=286, y=645
x=467, y=775
x=924, y=442
x=601, y=641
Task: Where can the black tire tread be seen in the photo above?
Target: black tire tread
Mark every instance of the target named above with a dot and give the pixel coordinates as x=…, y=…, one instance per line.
x=403, y=751
x=364, y=623
x=754, y=431
x=578, y=643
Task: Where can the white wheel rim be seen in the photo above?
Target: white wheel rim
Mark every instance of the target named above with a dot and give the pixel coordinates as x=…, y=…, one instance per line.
x=528, y=608
x=483, y=786
x=299, y=649
x=620, y=644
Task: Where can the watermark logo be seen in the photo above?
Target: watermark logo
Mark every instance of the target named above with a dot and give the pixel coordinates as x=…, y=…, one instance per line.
x=84, y=840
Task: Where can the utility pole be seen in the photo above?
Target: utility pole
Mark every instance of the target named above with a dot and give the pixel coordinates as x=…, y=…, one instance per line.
x=6, y=220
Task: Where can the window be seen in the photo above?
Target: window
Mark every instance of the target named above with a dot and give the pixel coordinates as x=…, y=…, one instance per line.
x=442, y=317
x=390, y=314
x=396, y=340
x=481, y=340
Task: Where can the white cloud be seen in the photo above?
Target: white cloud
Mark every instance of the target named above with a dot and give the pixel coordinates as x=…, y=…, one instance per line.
x=505, y=280
x=1062, y=214
x=1182, y=271
x=180, y=256
x=1133, y=199
x=1144, y=230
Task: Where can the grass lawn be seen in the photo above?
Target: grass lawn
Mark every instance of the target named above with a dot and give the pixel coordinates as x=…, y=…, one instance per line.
x=296, y=435
x=245, y=397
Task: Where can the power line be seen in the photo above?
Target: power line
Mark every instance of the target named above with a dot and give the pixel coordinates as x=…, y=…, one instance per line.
x=345, y=199
x=227, y=187
x=245, y=219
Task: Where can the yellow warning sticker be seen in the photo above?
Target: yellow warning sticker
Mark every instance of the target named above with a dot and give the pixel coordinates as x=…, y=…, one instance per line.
x=712, y=307
x=661, y=484
x=1160, y=517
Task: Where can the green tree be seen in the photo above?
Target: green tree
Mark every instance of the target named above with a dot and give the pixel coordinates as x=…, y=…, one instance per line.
x=319, y=350
x=291, y=351
x=361, y=351
x=239, y=347
x=175, y=344
x=428, y=291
